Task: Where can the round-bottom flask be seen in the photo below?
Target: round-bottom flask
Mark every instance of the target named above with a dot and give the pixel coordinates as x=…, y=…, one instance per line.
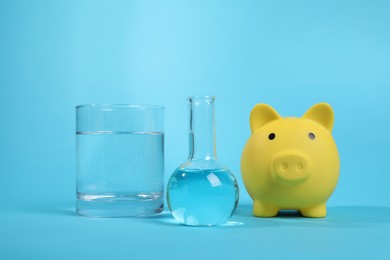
x=202, y=192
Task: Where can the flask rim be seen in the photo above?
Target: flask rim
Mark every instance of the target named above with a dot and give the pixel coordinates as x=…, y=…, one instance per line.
x=208, y=98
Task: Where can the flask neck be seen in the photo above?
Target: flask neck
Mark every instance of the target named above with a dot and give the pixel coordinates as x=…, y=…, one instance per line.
x=202, y=128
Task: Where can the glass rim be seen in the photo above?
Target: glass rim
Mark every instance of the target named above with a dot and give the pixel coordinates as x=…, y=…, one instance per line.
x=132, y=106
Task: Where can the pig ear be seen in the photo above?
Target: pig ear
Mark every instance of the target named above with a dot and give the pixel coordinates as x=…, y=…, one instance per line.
x=262, y=114
x=322, y=113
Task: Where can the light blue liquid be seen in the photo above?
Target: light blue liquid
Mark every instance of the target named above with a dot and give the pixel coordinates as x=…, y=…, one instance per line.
x=120, y=174
x=202, y=197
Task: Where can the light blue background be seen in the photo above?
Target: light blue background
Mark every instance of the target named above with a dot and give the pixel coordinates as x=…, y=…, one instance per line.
x=55, y=55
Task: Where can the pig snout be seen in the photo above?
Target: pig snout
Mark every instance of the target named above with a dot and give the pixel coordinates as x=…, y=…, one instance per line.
x=291, y=167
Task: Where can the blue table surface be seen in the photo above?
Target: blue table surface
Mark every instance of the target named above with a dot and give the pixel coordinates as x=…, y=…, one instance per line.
x=42, y=231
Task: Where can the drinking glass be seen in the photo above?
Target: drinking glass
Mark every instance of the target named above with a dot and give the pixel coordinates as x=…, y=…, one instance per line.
x=119, y=160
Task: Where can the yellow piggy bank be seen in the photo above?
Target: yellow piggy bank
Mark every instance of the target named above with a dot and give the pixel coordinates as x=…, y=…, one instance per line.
x=290, y=163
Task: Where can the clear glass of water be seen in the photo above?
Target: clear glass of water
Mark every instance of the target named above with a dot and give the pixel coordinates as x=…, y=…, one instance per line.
x=119, y=160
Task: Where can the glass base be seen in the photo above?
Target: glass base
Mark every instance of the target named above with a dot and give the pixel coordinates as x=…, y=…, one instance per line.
x=139, y=205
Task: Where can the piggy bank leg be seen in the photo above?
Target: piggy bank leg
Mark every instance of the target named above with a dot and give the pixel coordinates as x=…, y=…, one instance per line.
x=318, y=211
x=261, y=209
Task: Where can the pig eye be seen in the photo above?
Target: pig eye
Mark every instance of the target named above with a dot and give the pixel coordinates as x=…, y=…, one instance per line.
x=312, y=136
x=271, y=136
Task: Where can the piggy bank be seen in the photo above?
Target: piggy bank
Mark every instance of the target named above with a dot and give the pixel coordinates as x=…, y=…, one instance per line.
x=290, y=163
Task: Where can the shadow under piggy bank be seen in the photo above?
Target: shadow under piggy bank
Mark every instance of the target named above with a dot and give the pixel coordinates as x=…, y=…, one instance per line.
x=339, y=216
